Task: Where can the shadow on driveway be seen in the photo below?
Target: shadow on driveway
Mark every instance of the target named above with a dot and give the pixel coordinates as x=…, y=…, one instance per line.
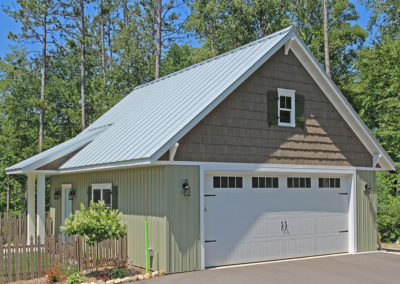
x=367, y=268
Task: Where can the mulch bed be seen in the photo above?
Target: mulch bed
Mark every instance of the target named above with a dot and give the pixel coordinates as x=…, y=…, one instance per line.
x=92, y=277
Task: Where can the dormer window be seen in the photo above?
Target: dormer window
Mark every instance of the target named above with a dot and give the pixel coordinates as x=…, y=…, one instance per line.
x=286, y=107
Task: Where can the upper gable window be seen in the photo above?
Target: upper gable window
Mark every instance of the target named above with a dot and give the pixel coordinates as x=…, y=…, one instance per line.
x=286, y=107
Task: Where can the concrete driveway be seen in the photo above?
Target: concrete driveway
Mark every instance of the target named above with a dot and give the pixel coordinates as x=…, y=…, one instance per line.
x=367, y=268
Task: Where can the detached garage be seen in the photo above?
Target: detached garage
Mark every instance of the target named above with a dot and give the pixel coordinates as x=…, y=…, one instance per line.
x=252, y=155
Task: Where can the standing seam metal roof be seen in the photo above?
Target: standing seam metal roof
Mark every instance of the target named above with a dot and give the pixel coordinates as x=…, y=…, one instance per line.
x=152, y=114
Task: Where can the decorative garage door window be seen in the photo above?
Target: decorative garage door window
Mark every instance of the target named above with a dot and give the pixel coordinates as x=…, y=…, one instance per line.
x=264, y=182
x=299, y=182
x=329, y=182
x=227, y=182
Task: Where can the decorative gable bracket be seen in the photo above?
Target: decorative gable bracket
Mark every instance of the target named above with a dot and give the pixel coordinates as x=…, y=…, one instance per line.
x=375, y=159
x=288, y=45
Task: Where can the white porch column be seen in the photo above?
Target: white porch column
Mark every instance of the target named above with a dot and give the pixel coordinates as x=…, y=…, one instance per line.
x=31, y=206
x=353, y=214
x=41, y=215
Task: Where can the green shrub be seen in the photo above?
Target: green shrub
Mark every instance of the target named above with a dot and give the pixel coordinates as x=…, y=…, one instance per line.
x=96, y=223
x=388, y=218
x=70, y=269
x=75, y=278
x=119, y=273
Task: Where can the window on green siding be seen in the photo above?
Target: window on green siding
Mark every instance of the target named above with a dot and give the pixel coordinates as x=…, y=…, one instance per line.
x=102, y=192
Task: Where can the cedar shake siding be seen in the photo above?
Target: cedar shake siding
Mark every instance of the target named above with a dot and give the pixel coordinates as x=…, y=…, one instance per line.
x=237, y=130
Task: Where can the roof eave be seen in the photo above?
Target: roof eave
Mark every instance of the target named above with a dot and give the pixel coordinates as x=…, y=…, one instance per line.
x=107, y=166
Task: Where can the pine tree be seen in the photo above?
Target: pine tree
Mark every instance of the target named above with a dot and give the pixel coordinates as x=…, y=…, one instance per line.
x=38, y=20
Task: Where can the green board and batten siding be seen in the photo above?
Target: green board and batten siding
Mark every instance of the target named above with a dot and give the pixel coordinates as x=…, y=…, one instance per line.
x=366, y=212
x=174, y=220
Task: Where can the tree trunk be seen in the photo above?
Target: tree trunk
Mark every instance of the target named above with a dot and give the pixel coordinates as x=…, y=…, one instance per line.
x=153, y=27
x=110, y=62
x=83, y=55
x=8, y=195
x=158, y=51
x=326, y=39
x=43, y=86
x=103, y=55
x=126, y=11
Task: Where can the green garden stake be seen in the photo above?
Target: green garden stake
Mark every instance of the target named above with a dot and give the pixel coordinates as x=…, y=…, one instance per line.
x=146, y=230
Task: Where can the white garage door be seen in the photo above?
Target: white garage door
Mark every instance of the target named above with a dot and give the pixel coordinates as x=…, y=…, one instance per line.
x=254, y=217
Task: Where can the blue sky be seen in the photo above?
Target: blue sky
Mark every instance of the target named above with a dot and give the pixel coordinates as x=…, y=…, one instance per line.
x=7, y=24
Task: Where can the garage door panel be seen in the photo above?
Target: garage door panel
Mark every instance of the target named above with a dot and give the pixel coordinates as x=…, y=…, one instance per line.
x=247, y=225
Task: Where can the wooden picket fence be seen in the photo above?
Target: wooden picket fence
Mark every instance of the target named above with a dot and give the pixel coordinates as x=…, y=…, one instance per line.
x=23, y=260
x=13, y=226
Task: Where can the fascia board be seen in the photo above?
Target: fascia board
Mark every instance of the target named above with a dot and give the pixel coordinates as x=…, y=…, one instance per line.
x=107, y=166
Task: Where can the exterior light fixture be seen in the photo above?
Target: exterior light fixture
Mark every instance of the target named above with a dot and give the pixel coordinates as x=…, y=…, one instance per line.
x=57, y=193
x=71, y=194
x=368, y=188
x=186, y=188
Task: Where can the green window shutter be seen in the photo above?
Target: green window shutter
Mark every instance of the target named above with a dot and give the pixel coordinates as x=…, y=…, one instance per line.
x=299, y=111
x=272, y=108
x=114, y=196
x=89, y=194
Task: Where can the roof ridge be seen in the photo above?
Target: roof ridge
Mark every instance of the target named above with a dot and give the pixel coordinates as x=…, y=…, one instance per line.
x=257, y=41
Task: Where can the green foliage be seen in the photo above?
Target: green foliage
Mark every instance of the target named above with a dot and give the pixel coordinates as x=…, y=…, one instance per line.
x=96, y=223
x=75, y=278
x=119, y=273
x=70, y=269
x=179, y=57
x=378, y=89
x=224, y=25
x=388, y=209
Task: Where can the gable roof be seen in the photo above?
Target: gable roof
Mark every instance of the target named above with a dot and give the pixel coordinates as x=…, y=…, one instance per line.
x=154, y=116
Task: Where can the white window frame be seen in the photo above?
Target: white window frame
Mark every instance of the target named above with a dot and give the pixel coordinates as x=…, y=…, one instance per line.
x=291, y=94
x=102, y=187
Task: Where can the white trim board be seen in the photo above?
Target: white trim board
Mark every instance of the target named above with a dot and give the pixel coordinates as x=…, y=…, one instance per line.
x=239, y=166
x=135, y=164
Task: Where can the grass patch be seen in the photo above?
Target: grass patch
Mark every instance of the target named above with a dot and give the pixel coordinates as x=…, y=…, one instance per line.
x=391, y=246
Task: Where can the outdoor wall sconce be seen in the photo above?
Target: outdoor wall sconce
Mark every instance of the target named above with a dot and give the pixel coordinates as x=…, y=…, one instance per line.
x=186, y=188
x=71, y=194
x=368, y=188
x=57, y=193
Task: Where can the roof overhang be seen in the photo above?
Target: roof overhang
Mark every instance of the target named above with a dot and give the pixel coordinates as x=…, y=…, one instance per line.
x=30, y=165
